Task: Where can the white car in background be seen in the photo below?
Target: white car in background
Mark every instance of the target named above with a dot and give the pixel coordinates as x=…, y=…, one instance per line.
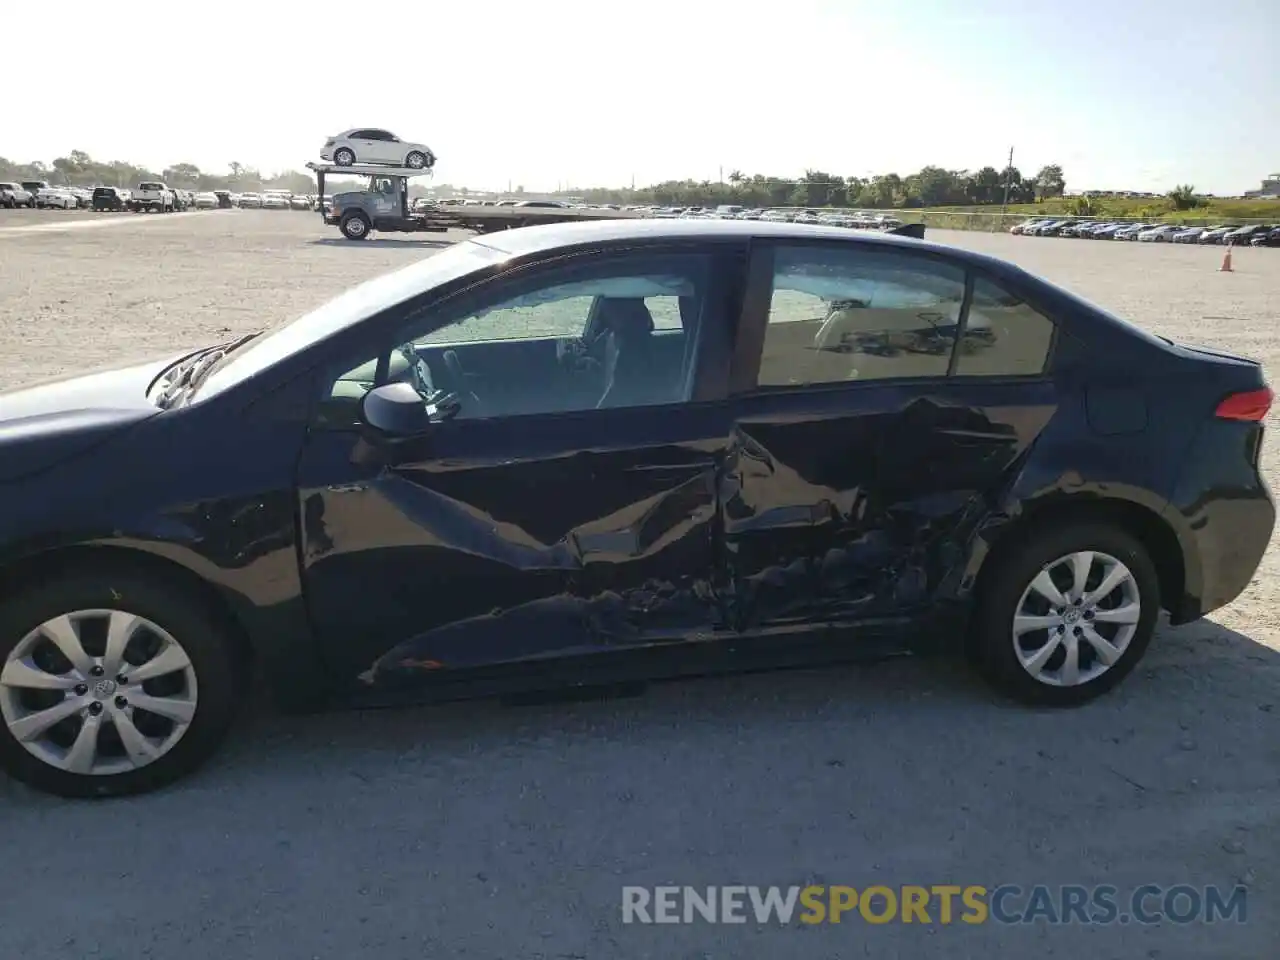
x=58, y=197
x=206, y=201
x=276, y=200
x=249, y=200
x=1161, y=234
x=373, y=145
x=15, y=195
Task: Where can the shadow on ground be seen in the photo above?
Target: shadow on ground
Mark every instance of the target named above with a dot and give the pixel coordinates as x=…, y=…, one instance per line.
x=381, y=242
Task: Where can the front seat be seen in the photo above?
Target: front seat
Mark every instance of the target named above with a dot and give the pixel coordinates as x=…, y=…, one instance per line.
x=632, y=368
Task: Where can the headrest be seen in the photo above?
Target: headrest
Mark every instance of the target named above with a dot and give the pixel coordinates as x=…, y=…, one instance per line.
x=625, y=316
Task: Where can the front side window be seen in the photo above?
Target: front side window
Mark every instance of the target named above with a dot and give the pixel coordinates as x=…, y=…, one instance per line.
x=851, y=313
x=603, y=332
x=349, y=310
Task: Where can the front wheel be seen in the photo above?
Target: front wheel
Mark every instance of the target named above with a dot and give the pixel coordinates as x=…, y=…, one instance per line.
x=344, y=157
x=416, y=160
x=1066, y=613
x=111, y=684
x=355, y=226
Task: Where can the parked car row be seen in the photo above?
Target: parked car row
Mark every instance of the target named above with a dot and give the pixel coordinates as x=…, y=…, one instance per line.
x=40, y=193
x=149, y=196
x=274, y=200
x=1254, y=234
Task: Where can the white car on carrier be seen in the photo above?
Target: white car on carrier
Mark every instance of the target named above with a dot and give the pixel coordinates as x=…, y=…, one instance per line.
x=373, y=145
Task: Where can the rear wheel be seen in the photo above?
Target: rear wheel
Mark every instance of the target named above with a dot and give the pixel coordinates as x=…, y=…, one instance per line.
x=1066, y=613
x=344, y=157
x=111, y=685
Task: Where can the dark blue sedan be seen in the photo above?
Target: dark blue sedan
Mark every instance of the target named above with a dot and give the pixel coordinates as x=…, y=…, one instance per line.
x=588, y=453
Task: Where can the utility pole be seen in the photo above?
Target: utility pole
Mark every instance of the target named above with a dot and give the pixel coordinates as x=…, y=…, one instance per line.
x=1008, y=181
x=722, y=176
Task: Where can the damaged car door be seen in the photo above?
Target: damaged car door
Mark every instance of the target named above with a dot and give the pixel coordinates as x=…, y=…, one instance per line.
x=562, y=501
x=890, y=398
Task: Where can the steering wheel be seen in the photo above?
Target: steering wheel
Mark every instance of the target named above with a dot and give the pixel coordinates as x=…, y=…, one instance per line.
x=461, y=387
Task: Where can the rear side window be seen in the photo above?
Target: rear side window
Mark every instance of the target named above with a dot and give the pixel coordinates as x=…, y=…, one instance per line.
x=1004, y=337
x=847, y=313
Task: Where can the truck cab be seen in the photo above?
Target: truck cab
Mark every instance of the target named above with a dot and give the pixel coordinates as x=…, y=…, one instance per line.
x=384, y=205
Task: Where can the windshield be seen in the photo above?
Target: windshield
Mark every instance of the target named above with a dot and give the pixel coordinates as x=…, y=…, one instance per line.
x=348, y=309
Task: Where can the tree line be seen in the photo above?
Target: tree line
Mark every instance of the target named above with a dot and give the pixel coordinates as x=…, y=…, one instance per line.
x=929, y=187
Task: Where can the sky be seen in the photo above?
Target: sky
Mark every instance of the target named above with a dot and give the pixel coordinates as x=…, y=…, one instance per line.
x=1123, y=94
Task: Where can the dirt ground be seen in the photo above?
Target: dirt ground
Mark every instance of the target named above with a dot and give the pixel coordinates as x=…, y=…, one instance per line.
x=480, y=831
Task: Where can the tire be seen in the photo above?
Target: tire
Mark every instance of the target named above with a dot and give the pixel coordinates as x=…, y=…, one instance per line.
x=416, y=160
x=205, y=686
x=344, y=157
x=355, y=226
x=1008, y=587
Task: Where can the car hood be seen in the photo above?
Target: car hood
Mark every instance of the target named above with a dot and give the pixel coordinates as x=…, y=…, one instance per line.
x=44, y=425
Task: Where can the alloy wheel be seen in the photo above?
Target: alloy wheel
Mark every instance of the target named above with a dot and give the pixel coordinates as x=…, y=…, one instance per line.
x=98, y=692
x=1076, y=618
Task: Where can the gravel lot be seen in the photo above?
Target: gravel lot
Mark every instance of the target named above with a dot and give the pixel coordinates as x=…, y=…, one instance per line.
x=482, y=831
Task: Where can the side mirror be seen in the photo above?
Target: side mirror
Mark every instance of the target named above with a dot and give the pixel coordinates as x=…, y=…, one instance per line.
x=395, y=411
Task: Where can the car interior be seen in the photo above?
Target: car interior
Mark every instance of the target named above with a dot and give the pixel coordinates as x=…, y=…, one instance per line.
x=620, y=357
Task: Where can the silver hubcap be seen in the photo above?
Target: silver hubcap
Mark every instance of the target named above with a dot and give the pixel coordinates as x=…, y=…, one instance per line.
x=355, y=226
x=1076, y=619
x=416, y=160
x=98, y=692
x=344, y=157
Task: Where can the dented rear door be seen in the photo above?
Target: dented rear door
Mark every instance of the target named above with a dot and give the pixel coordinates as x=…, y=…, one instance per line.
x=865, y=446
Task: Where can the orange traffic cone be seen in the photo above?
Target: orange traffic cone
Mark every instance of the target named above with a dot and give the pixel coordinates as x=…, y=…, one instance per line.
x=1226, y=261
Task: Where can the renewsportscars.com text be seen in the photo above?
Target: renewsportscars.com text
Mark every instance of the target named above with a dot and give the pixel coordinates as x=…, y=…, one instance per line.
x=938, y=903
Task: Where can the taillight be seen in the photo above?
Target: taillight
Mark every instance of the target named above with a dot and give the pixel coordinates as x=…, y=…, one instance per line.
x=1251, y=405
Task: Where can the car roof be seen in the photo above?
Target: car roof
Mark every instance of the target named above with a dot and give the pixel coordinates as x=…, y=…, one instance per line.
x=537, y=239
